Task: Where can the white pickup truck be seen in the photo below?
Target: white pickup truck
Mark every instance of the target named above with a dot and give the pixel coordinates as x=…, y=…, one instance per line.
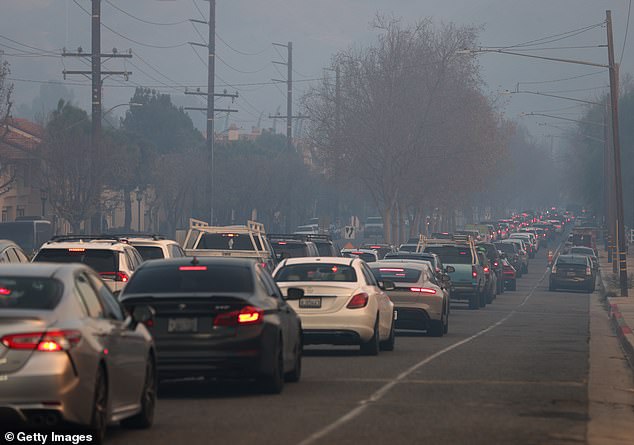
x=248, y=241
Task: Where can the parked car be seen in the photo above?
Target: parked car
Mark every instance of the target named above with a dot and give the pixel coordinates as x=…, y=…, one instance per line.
x=418, y=297
x=70, y=354
x=218, y=317
x=114, y=259
x=572, y=272
x=343, y=303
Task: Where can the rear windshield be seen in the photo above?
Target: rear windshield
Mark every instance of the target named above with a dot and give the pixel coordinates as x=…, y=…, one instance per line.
x=579, y=260
x=150, y=252
x=582, y=250
x=100, y=260
x=506, y=247
x=408, y=256
x=367, y=257
x=225, y=241
x=325, y=249
x=396, y=274
x=452, y=254
x=198, y=279
x=316, y=272
x=290, y=250
x=29, y=293
x=408, y=248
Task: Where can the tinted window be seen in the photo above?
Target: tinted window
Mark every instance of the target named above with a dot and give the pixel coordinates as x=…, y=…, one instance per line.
x=176, y=251
x=579, y=260
x=290, y=250
x=29, y=293
x=150, y=252
x=452, y=254
x=225, y=241
x=99, y=260
x=408, y=248
x=205, y=279
x=582, y=250
x=325, y=249
x=367, y=257
x=317, y=272
x=396, y=274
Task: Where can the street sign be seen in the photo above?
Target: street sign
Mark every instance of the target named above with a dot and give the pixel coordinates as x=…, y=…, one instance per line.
x=349, y=232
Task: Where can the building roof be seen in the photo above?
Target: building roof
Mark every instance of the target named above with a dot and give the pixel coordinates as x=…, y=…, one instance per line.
x=19, y=138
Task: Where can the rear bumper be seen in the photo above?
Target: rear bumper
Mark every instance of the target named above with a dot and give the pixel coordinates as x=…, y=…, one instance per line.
x=412, y=318
x=571, y=282
x=340, y=337
x=360, y=322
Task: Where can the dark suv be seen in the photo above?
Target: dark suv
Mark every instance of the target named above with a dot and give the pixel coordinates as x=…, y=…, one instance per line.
x=493, y=255
x=512, y=255
x=291, y=247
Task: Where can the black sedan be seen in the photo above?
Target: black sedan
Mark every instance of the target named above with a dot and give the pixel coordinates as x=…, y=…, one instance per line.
x=572, y=272
x=218, y=318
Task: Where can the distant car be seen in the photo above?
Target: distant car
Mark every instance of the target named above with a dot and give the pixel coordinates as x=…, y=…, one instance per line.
x=373, y=227
x=113, y=258
x=153, y=247
x=418, y=297
x=367, y=255
x=11, y=253
x=509, y=274
x=572, y=272
x=441, y=235
x=70, y=353
x=586, y=251
x=381, y=249
x=288, y=247
x=324, y=244
x=512, y=253
x=218, y=317
x=343, y=303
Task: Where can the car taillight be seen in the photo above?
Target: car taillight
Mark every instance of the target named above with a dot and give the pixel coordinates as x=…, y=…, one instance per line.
x=423, y=290
x=358, y=301
x=496, y=264
x=248, y=315
x=588, y=271
x=474, y=272
x=486, y=270
x=51, y=341
x=116, y=276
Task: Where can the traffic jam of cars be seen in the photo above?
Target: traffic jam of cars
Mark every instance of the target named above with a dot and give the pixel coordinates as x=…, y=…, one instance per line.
x=94, y=325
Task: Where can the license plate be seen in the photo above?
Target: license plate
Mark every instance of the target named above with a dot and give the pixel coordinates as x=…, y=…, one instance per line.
x=182, y=325
x=571, y=274
x=310, y=303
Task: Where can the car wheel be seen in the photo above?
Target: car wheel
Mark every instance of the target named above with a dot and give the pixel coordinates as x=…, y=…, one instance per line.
x=273, y=383
x=148, y=400
x=388, y=345
x=446, y=325
x=371, y=347
x=99, y=420
x=296, y=373
x=436, y=328
x=474, y=301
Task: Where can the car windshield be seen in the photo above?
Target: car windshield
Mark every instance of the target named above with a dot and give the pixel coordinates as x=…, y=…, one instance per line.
x=101, y=260
x=191, y=279
x=317, y=272
x=452, y=254
x=396, y=274
x=31, y=293
x=150, y=252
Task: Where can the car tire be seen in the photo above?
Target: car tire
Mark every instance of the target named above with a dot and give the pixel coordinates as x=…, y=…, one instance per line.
x=436, y=328
x=273, y=383
x=99, y=418
x=294, y=375
x=474, y=301
x=388, y=345
x=145, y=418
x=446, y=324
x=371, y=347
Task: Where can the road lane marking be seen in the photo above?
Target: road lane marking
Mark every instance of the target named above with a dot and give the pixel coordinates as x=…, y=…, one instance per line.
x=569, y=383
x=401, y=378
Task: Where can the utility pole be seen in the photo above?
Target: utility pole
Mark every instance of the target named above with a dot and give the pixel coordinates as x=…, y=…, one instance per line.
x=614, y=100
x=289, y=94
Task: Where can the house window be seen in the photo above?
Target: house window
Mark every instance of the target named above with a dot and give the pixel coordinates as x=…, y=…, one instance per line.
x=19, y=212
x=5, y=214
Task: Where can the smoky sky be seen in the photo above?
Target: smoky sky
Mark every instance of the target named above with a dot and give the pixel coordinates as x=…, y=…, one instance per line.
x=164, y=60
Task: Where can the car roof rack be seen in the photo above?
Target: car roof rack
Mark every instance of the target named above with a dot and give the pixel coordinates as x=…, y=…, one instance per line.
x=84, y=238
x=153, y=236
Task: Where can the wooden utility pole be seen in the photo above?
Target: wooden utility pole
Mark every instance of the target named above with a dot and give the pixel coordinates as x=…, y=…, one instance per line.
x=614, y=101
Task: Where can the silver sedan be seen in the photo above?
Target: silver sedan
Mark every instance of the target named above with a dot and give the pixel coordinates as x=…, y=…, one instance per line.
x=68, y=353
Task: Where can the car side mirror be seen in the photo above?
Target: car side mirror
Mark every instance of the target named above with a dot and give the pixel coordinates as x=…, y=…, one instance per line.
x=386, y=285
x=143, y=314
x=450, y=269
x=294, y=293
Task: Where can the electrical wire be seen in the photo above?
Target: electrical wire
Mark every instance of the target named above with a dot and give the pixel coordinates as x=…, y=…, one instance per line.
x=241, y=71
x=594, y=73
x=560, y=36
x=143, y=20
x=29, y=46
x=627, y=27
x=199, y=11
x=244, y=53
x=550, y=48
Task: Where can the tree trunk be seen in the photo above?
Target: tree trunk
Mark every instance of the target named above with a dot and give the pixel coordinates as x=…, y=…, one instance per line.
x=127, y=209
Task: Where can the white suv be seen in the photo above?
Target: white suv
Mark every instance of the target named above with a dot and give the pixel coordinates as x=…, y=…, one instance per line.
x=154, y=247
x=113, y=258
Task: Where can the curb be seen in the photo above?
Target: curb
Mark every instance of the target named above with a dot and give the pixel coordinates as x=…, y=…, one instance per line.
x=623, y=331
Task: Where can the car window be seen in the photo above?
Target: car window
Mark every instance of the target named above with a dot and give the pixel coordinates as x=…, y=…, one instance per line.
x=150, y=252
x=369, y=277
x=112, y=309
x=37, y=293
x=101, y=260
x=88, y=296
x=176, y=251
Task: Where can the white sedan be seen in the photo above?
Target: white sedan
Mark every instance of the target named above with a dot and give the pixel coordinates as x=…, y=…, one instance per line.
x=343, y=303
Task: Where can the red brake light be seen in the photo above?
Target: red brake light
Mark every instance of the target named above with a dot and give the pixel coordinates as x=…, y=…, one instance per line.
x=486, y=269
x=116, y=276
x=358, y=301
x=76, y=249
x=282, y=243
x=246, y=316
x=423, y=290
x=391, y=270
x=474, y=272
x=192, y=268
x=496, y=264
x=5, y=292
x=51, y=341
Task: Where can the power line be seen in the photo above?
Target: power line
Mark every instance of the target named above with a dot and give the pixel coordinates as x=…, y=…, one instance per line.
x=594, y=73
x=627, y=27
x=29, y=46
x=244, y=53
x=143, y=20
x=551, y=48
x=557, y=37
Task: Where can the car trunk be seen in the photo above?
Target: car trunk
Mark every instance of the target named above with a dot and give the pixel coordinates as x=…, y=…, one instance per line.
x=320, y=297
x=570, y=270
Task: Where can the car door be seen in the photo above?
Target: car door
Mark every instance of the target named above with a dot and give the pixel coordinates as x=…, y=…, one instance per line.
x=384, y=304
x=131, y=354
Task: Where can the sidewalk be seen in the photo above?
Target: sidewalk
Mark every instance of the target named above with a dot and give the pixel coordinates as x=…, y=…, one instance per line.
x=620, y=310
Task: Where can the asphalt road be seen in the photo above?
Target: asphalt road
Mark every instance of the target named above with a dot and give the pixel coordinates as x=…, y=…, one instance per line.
x=515, y=372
